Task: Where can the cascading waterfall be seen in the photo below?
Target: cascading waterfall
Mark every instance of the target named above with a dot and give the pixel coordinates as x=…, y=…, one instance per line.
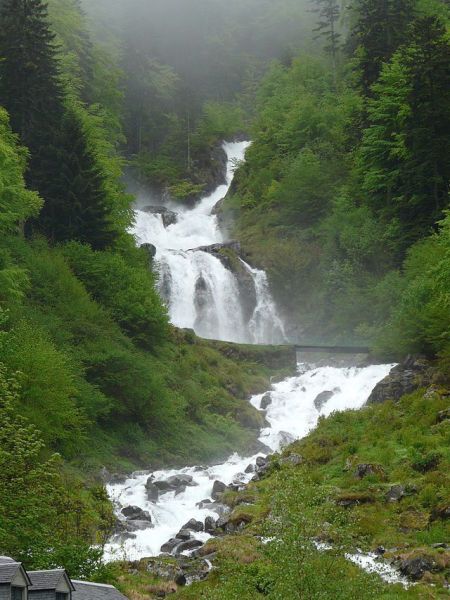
x=201, y=292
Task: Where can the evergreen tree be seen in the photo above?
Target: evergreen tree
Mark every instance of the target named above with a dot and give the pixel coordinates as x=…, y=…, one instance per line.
x=83, y=212
x=380, y=28
x=327, y=27
x=29, y=86
x=405, y=154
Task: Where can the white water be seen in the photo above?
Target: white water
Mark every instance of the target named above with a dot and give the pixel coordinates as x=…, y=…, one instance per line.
x=201, y=293
x=292, y=412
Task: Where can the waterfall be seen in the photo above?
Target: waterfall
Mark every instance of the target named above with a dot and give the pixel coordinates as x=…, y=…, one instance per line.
x=201, y=291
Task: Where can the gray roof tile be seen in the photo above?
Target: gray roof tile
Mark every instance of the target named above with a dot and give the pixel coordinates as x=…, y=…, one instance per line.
x=95, y=591
x=8, y=571
x=45, y=580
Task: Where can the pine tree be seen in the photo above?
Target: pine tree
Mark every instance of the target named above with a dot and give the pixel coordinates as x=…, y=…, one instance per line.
x=327, y=27
x=29, y=86
x=380, y=28
x=83, y=212
x=405, y=153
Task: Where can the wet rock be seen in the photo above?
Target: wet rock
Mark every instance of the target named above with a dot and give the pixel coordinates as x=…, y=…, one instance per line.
x=187, y=545
x=170, y=545
x=135, y=525
x=150, y=249
x=181, y=479
x=322, y=398
x=285, y=439
x=261, y=462
x=414, y=372
x=250, y=468
x=266, y=401
x=162, y=486
x=367, y=469
x=380, y=550
x=118, y=478
x=415, y=568
x=395, y=494
x=184, y=534
x=218, y=489
x=180, y=490
x=194, y=525
x=168, y=216
x=210, y=524
x=151, y=490
x=134, y=513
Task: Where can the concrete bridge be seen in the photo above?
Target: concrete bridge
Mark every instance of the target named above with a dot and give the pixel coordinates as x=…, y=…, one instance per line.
x=333, y=349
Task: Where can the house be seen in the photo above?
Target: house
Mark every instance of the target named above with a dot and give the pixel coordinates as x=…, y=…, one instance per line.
x=14, y=580
x=50, y=585
x=55, y=584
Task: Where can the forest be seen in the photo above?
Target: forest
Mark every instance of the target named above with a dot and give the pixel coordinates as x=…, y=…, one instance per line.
x=343, y=200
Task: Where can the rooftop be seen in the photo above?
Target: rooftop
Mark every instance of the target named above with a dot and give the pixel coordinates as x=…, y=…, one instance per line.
x=95, y=591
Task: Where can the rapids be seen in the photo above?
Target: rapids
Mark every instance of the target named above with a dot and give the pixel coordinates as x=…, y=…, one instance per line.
x=291, y=415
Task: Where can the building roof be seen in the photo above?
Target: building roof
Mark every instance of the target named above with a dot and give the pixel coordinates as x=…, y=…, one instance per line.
x=96, y=591
x=9, y=568
x=47, y=580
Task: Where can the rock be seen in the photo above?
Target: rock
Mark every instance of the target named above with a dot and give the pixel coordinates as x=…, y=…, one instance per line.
x=292, y=459
x=188, y=545
x=366, y=469
x=395, y=494
x=163, y=486
x=440, y=545
x=218, y=489
x=415, y=568
x=180, y=579
x=134, y=513
x=380, y=550
x=117, y=478
x=322, y=398
x=152, y=491
x=150, y=249
x=266, y=401
x=176, y=481
x=261, y=461
x=441, y=512
x=250, y=468
x=285, y=439
x=180, y=490
x=184, y=534
x=443, y=415
x=135, y=525
x=170, y=545
x=168, y=216
x=413, y=373
x=210, y=524
x=193, y=525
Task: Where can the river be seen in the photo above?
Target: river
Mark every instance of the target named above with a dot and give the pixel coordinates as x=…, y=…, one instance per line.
x=292, y=409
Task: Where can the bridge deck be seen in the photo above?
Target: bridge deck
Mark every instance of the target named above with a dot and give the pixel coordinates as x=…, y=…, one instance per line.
x=334, y=349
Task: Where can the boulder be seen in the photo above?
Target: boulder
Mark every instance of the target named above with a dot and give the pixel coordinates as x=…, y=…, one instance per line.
x=415, y=568
x=180, y=490
x=184, y=534
x=413, y=373
x=266, y=401
x=134, y=513
x=150, y=249
x=395, y=493
x=292, y=459
x=169, y=217
x=117, y=478
x=193, y=525
x=187, y=545
x=210, y=524
x=322, y=398
x=261, y=462
x=151, y=490
x=250, y=468
x=218, y=489
x=135, y=525
x=163, y=486
x=176, y=481
x=285, y=439
x=170, y=545
x=367, y=469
